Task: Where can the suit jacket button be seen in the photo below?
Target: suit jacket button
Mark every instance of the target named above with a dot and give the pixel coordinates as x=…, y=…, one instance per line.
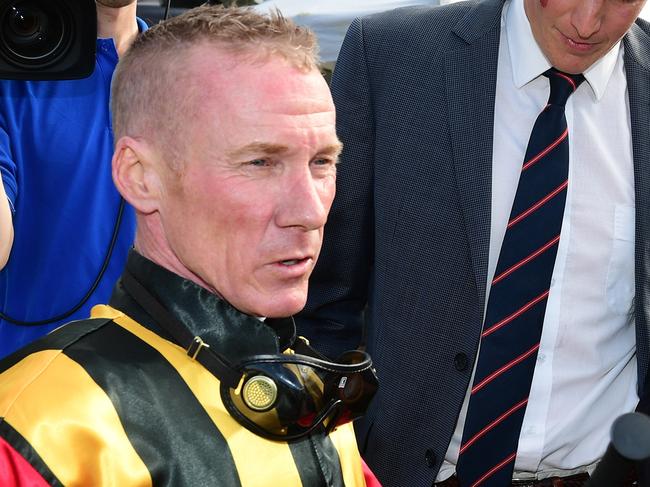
x=460, y=361
x=430, y=457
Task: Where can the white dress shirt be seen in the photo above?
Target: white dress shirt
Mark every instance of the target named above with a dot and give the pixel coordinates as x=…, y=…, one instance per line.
x=585, y=376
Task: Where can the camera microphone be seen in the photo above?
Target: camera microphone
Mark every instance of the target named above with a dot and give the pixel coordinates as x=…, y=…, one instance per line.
x=630, y=443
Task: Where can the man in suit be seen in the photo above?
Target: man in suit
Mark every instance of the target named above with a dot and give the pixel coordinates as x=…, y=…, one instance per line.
x=435, y=107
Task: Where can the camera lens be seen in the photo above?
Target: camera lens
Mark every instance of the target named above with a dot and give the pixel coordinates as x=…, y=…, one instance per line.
x=34, y=33
x=23, y=24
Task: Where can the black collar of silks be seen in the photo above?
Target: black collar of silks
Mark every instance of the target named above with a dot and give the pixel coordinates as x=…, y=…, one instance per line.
x=280, y=396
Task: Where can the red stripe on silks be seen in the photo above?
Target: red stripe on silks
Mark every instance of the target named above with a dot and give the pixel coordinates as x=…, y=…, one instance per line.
x=525, y=261
x=539, y=204
x=494, y=469
x=15, y=471
x=568, y=78
x=553, y=145
x=368, y=476
x=491, y=426
x=503, y=369
x=508, y=319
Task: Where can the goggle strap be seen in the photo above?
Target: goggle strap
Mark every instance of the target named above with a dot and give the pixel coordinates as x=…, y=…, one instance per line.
x=334, y=420
x=326, y=365
x=302, y=347
x=195, y=347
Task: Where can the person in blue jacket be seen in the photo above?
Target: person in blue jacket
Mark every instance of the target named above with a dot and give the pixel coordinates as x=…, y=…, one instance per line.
x=61, y=220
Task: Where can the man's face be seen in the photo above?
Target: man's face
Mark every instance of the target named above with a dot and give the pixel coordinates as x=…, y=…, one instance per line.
x=573, y=34
x=246, y=215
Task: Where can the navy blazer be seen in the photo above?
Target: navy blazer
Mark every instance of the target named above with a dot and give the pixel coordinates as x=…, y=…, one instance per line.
x=407, y=241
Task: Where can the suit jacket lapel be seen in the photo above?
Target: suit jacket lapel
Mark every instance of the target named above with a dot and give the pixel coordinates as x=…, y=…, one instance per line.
x=471, y=74
x=637, y=67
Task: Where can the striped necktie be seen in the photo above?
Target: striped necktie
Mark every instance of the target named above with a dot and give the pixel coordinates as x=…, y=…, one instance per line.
x=515, y=312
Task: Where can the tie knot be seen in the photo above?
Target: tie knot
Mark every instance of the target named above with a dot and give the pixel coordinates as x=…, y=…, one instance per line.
x=562, y=85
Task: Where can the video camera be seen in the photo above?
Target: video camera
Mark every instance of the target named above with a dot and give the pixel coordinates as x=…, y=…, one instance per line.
x=56, y=39
x=47, y=39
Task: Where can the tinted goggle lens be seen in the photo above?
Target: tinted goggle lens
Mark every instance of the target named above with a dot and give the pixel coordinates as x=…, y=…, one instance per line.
x=354, y=391
x=285, y=397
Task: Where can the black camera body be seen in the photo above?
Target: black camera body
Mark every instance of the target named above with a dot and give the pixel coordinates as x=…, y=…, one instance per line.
x=47, y=39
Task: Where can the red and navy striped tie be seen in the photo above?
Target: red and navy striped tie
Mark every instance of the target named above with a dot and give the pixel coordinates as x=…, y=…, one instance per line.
x=515, y=312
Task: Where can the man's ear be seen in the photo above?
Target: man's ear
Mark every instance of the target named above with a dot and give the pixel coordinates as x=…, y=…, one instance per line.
x=135, y=174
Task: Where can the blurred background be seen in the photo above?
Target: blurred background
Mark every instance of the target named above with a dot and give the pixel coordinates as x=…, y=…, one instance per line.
x=328, y=18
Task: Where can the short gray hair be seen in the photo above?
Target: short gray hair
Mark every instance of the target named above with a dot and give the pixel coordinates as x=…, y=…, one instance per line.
x=142, y=101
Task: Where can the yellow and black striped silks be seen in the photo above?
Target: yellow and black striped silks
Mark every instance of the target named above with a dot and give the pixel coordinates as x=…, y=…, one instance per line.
x=110, y=402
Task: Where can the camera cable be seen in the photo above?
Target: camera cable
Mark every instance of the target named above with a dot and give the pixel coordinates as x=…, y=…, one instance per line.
x=93, y=287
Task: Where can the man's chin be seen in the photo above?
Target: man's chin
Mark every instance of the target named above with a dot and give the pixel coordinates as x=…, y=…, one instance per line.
x=281, y=307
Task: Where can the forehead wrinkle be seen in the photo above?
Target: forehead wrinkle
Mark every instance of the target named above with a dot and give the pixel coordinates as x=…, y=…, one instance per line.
x=313, y=121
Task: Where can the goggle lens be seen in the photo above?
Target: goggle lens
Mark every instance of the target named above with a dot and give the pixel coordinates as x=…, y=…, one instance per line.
x=288, y=396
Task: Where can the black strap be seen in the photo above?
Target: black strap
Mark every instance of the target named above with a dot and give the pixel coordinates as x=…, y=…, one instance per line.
x=195, y=347
x=100, y=274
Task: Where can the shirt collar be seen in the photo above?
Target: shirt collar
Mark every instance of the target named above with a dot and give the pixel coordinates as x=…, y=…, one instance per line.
x=528, y=60
x=142, y=25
